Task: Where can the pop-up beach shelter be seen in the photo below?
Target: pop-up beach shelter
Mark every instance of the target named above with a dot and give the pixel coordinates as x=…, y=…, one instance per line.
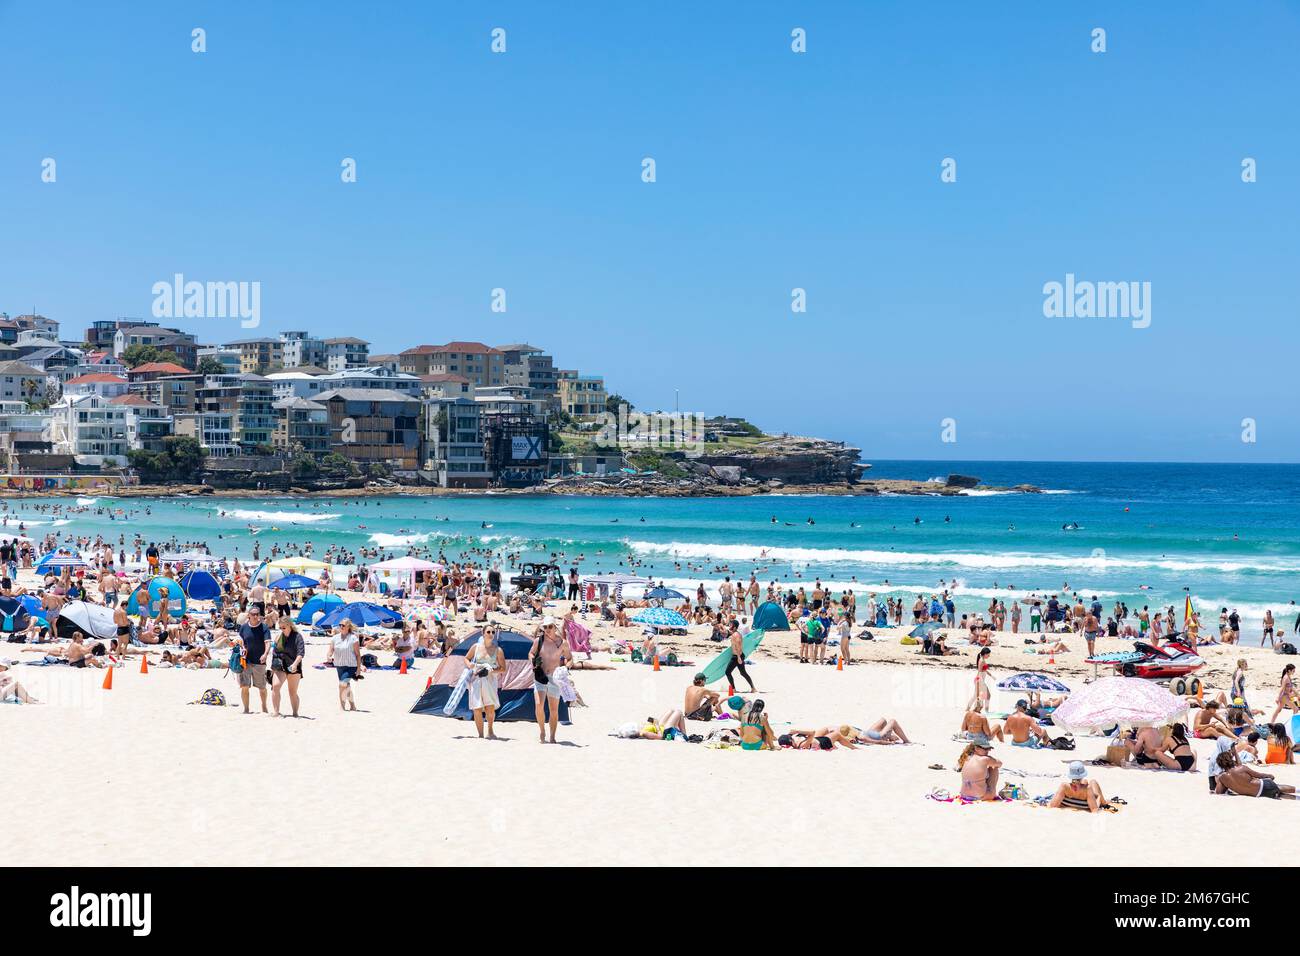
x=515, y=687
x=321, y=604
x=770, y=617
x=14, y=616
x=93, y=620
x=176, y=602
x=201, y=585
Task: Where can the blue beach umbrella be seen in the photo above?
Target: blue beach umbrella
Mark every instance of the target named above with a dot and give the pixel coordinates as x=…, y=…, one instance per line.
x=361, y=613
x=294, y=582
x=663, y=594
x=923, y=630
x=157, y=588
x=660, y=617
x=320, y=604
x=1031, y=681
x=201, y=585
x=58, y=560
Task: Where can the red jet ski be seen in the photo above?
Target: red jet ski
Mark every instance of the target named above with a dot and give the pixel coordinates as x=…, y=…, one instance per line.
x=1171, y=659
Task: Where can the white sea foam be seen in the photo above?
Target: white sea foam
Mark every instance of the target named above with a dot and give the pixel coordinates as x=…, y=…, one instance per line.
x=398, y=540
x=757, y=553
x=286, y=517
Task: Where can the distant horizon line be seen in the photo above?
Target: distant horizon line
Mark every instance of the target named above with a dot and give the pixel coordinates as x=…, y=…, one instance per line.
x=1063, y=461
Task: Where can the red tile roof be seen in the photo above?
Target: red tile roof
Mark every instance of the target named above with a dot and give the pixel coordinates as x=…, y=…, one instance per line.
x=95, y=377
x=164, y=368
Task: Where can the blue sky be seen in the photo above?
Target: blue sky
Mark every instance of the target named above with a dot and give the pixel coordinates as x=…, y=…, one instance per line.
x=775, y=170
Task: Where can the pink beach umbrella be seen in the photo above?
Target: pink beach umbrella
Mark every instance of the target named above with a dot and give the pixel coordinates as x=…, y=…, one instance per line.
x=1119, y=701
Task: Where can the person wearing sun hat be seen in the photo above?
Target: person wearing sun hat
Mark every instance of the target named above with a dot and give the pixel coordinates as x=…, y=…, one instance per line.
x=979, y=770
x=1078, y=792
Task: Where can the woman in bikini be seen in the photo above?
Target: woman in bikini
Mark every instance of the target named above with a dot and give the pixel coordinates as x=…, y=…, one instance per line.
x=1286, y=694
x=755, y=729
x=1176, y=746
x=981, y=695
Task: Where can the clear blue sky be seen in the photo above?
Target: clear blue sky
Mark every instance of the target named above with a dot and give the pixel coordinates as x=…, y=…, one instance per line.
x=775, y=170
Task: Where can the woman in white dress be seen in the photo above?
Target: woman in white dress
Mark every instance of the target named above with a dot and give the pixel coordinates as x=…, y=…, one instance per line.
x=486, y=663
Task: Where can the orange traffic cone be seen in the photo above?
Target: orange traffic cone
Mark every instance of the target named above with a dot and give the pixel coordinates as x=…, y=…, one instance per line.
x=403, y=669
x=656, y=666
x=429, y=682
x=144, y=664
x=1051, y=658
x=839, y=662
x=1200, y=690
x=108, y=679
x=731, y=690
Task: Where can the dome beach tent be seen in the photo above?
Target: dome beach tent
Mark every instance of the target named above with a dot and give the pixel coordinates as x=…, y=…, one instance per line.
x=770, y=617
x=92, y=620
x=201, y=585
x=14, y=616
x=320, y=605
x=176, y=601
x=515, y=687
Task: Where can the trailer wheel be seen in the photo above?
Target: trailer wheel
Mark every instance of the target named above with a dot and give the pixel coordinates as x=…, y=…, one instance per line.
x=1178, y=686
x=1194, y=685
x=1128, y=670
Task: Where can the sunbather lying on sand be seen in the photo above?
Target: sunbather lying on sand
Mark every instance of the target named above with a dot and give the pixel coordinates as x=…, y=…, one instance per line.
x=9, y=687
x=1235, y=777
x=884, y=731
x=667, y=727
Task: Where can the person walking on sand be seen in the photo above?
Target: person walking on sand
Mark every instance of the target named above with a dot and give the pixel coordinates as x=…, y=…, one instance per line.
x=286, y=663
x=1286, y=694
x=486, y=662
x=982, y=694
x=737, y=663
x=345, y=652
x=549, y=651
x=255, y=648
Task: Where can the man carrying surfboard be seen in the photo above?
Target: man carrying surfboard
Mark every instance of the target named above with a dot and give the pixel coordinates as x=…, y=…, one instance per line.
x=737, y=662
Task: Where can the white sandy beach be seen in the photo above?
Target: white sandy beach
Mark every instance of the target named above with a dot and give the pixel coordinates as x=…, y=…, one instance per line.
x=134, y=776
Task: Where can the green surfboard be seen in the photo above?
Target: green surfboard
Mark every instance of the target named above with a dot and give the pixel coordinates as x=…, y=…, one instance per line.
x=717, y=668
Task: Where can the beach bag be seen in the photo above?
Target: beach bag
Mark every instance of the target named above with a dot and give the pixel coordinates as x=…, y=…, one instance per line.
x=539, y=672
x=212, y=697
x=1062, y=743
x=236, y=661
x=1287, y=648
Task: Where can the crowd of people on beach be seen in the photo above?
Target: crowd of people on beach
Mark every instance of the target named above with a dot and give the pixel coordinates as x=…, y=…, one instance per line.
x=251, y=633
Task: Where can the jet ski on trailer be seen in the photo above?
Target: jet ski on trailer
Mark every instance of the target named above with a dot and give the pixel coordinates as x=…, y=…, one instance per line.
x=1172, y=661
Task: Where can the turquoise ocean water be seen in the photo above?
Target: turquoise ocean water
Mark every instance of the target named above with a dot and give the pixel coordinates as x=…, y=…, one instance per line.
x=1230, y=534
